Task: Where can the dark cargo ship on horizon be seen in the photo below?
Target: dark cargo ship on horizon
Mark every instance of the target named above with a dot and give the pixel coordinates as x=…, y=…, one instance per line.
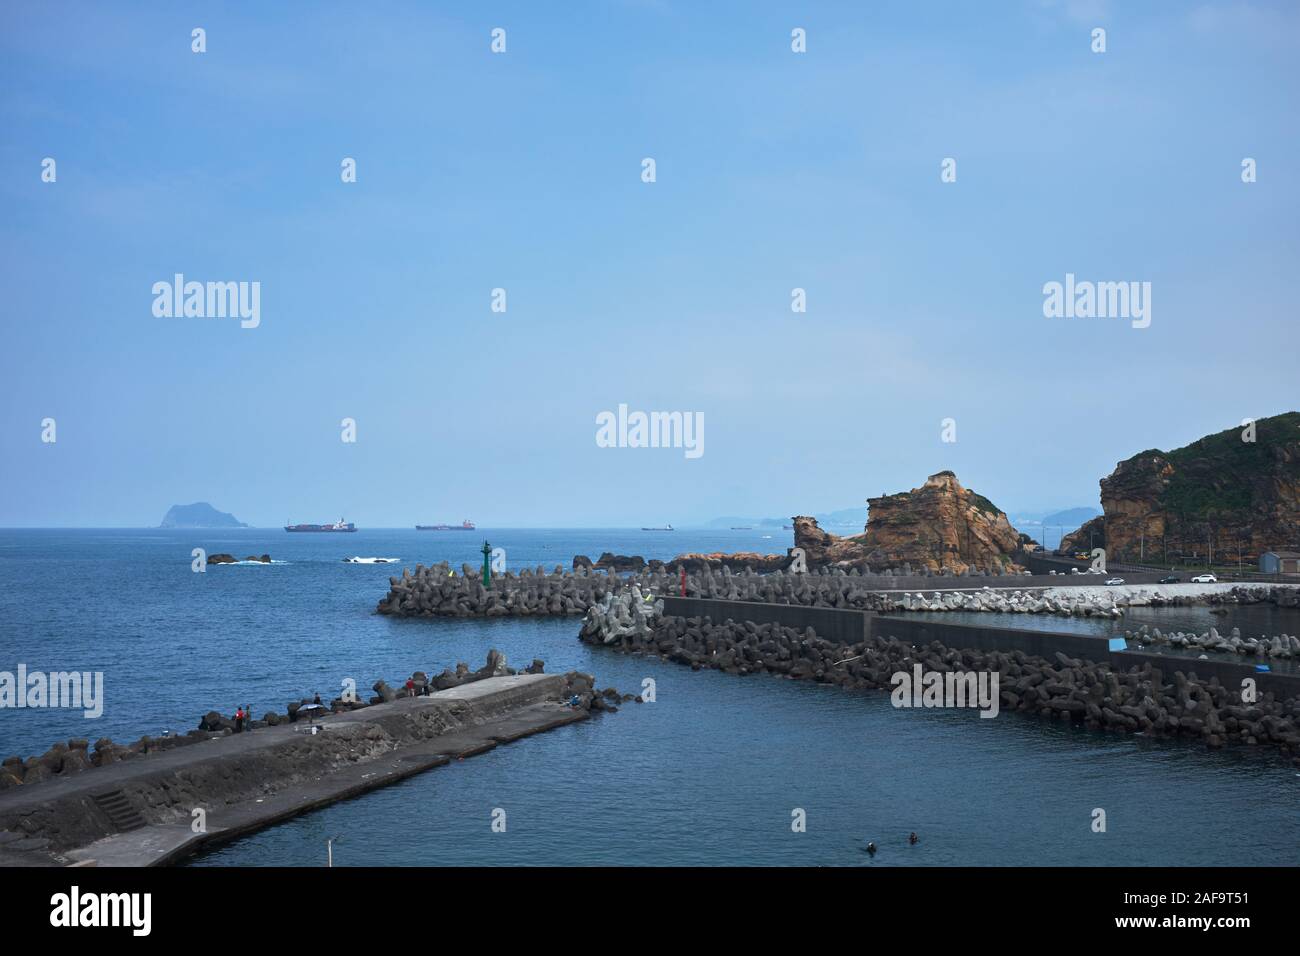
x=339, y=525
x=465, y=525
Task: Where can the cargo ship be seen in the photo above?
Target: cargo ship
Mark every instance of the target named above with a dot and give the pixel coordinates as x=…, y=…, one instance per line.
x=339, y=525
x=664, y=528
x=465, y=525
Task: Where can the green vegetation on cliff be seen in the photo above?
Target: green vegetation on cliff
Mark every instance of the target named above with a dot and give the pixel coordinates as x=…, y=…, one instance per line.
x=1218, y=475
x=1238, y=490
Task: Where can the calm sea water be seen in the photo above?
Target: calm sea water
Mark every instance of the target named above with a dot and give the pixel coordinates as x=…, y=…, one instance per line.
x=708, y=774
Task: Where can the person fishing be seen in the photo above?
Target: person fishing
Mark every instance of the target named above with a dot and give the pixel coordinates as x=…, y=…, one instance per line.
x=239, y=720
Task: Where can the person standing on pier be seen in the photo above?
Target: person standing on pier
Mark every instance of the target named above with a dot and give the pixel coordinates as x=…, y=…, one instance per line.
x=239, y=720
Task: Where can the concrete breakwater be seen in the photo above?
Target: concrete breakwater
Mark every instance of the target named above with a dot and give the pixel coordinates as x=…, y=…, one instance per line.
x=438, y=592
x=76, y=755
x=1139, y=699
x=1080, y=602
x=148, y=810
x=626, y=613
x=1097, y=601
x=1280, y=645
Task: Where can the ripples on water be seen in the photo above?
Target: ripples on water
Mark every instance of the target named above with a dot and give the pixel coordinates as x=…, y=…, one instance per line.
x=707, y=775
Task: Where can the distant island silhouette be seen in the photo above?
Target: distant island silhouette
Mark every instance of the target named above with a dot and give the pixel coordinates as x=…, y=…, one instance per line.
x=199, y=515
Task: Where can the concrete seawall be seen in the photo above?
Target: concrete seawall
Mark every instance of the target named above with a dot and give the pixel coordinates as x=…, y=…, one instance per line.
x=834, y=624
x=436, y=592
x=1150, y=694
x=143, y=812
x=1097, y=649
x=850, y=627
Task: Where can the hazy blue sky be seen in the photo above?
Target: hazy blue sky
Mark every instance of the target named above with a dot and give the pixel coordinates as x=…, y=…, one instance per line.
x=522, y=170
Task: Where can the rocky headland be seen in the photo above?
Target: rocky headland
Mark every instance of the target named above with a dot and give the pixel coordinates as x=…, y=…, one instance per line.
x=1091, y=534
x=940, y=527
x=1237, y=491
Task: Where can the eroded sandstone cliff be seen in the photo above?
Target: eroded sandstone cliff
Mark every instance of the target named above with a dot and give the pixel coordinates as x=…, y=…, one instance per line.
x=940, y=526
x=1223, y=492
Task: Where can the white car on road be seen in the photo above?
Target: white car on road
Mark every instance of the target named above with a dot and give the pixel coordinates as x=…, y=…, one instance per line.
x=1114, y=582
x=1205, y=579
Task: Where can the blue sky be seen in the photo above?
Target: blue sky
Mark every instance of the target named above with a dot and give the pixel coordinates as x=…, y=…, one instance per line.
x=522, y=170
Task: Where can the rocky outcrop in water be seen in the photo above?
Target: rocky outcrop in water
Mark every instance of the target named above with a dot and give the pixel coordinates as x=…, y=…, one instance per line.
x=821, y=548
x=224, y=558
x=616, y=562
x=715, y=560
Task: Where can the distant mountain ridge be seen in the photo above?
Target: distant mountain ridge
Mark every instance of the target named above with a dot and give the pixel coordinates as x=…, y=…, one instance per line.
x=1068, y=519
x=843, y=517
x=199, y=515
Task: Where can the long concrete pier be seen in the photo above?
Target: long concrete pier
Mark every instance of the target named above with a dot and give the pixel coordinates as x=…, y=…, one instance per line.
x=157, y=809
x=437, y=592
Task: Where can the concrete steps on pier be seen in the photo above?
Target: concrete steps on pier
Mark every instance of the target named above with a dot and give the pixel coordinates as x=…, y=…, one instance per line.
x=119, y=811
x=167, y=843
